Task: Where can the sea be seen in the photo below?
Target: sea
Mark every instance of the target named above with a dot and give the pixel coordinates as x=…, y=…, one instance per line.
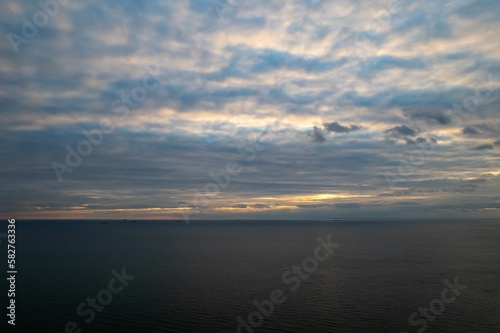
x=254, y=276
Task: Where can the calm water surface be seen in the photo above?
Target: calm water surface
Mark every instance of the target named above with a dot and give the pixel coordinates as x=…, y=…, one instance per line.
x=203, y=276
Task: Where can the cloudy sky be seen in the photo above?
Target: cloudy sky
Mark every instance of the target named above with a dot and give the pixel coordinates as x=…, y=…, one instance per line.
x=249, y=109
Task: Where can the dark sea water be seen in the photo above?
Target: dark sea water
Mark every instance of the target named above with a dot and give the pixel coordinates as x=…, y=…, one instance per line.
x=201, y=277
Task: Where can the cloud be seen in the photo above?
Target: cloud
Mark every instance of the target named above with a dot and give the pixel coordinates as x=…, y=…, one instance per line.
x=260, y=206
x=239, y=206
x=416, y=141
x=483, y=130
x=441, y=117
x=401, y=130
x=484, y=147
x=470, y=131
x=338, y=128
x=317, y=135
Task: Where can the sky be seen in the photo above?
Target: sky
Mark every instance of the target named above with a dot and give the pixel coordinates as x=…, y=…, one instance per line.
x=249, y=109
